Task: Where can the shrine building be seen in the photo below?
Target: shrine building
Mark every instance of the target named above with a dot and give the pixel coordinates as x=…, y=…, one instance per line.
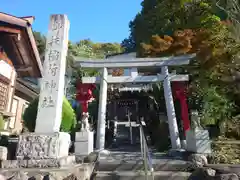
x=20, y=68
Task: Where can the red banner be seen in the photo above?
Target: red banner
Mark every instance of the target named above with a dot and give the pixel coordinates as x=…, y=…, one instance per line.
x=84, y=94
x=180, y=94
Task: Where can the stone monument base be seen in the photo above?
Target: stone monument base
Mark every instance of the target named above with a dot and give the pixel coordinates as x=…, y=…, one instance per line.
x=83, y=143
x=198, y=141
x=43, y=146
x=39, y=163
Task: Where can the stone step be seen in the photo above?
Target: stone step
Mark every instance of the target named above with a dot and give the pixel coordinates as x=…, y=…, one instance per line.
x=129, y=175
x=137, y=165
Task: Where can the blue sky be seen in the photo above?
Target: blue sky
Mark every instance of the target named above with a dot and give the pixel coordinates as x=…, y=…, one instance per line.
x=99, y=20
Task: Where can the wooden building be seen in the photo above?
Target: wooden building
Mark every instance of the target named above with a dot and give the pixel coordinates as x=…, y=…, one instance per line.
x=20, y=67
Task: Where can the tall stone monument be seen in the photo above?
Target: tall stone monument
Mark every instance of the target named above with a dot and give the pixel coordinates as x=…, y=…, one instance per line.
x=47, y=142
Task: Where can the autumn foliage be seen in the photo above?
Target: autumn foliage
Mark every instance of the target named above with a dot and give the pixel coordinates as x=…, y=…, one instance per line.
x=182, y=42
x=213, y=53
x=117, y=72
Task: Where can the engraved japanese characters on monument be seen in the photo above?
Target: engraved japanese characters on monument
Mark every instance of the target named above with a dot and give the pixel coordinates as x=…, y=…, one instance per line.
x=52, y=85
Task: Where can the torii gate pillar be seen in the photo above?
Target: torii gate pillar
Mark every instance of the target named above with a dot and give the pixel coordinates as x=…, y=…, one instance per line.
x=172, y=120
x=102, y=110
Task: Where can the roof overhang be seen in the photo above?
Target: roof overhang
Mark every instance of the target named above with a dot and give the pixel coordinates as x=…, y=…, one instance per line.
x=26, y=88
x=16, y=33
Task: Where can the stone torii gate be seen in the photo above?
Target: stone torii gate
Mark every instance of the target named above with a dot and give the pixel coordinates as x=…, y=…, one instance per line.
x=133, y=62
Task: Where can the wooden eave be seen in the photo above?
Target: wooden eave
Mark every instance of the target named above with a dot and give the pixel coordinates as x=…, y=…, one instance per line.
x=17, y=39
x=15, y=43
x=9, y=30
x=26, y=89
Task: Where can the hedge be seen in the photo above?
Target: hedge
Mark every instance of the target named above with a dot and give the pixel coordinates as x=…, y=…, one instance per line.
x=68, y=116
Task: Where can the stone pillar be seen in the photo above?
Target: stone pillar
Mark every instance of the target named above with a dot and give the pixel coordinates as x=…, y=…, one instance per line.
x=49, y=114
x=172, y=121
x=102, y=111
x=47, y=142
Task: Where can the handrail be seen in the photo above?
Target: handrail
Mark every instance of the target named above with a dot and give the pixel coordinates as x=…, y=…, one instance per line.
x=146, y=154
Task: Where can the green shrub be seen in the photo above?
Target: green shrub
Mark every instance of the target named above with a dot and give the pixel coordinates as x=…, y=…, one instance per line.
x=217, y=108
x=68, y=116
x=30, y=115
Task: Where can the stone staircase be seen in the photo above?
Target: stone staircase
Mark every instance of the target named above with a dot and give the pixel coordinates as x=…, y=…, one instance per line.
x=128, y=165
x=125, y=162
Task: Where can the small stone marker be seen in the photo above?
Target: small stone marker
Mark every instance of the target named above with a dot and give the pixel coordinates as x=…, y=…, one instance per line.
x=198, y=139
x=52, y=86
x=83, y=143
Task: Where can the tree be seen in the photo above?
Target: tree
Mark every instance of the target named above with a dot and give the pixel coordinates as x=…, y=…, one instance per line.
x=99, y=50
x=211, y=66
x=129, y=44
x=41, y=43
x=164, y=17
x=166, y=28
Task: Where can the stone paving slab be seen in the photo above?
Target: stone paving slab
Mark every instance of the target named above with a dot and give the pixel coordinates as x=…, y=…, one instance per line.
x=128, y=175
x=161, y=165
